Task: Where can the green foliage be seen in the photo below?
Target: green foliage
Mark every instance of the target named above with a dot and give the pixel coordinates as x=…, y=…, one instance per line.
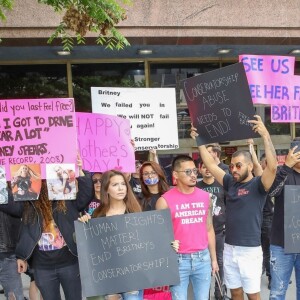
x=83, y=16
x=5, y=5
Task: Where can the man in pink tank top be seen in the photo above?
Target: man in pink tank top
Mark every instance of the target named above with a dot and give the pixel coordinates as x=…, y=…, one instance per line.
x=192, y=223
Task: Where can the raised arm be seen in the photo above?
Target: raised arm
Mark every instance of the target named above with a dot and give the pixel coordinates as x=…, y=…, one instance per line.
x=269, y=172
x=208, y=160
x=153, y=156
x=285, y=171
x=257, y=169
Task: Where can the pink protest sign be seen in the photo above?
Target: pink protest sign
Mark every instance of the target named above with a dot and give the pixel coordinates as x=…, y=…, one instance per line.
x=104, y=142
x=37, y=131
x=288, y=110
x=269, y=77
x=281, y=113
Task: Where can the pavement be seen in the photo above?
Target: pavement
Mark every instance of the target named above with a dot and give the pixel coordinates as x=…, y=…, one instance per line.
x=291, y=292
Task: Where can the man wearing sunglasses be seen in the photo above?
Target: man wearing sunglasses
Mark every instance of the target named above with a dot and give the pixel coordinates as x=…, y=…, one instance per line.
x=192, y=222
x=246, y=196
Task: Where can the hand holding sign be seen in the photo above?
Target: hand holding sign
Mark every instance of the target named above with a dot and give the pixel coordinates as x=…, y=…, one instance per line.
x=194, y=132
x=292, y=158
x=259, y=127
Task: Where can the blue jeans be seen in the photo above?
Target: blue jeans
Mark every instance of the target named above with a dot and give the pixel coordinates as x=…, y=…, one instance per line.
x=136, y=295
x=281, y=269
x=197, y=268
x=49, y=280
x=10, y=279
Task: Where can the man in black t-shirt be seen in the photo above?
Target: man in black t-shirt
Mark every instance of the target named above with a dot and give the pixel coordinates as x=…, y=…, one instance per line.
x=244, y=203
x=210, y=185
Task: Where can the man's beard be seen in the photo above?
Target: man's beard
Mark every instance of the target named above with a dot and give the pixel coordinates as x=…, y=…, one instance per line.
x=242, y=177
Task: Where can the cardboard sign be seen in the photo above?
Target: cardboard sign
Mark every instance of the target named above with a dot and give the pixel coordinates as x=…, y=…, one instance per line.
x=37, y=131
x=104, y=143
x=292, y=219
x=271, y=78
x=126, y=253
x=220, y=104
x=151, y=111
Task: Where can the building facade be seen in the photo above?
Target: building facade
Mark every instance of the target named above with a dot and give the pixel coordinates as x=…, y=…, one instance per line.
x=170, y=41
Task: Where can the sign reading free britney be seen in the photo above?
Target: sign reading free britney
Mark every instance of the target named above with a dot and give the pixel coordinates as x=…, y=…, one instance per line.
x=37, y=131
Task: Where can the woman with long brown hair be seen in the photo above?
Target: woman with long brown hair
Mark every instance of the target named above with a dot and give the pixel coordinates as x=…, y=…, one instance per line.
x=117, y=198
x=154, y=184
x=47, y=241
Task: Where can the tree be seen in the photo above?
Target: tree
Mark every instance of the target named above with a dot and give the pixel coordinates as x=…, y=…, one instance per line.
x=81, y=17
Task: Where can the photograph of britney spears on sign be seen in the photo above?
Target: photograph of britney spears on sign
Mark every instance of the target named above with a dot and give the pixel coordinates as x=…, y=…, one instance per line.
x=61, y=181
x=26, y=181
x=3, y=185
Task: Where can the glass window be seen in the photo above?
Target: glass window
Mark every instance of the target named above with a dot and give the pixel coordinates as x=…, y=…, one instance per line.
x=33, y=81
x=86, y=76
x=275, y=128
x=170, y=75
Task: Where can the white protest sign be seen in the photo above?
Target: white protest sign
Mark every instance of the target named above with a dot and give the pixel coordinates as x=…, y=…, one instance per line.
x=151, y=111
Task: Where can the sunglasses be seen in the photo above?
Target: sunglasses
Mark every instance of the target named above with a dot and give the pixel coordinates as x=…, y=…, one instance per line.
x=97, y=180
x=148, y=174
x=189, y=172
x=237, y=165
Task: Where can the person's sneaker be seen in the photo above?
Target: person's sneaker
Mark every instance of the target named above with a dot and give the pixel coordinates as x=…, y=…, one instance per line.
x=1, y=291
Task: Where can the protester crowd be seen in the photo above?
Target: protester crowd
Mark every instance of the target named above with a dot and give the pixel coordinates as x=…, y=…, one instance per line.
x=234, y=228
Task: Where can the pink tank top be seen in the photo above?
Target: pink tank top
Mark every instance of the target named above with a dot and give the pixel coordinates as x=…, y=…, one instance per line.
x=189, y=213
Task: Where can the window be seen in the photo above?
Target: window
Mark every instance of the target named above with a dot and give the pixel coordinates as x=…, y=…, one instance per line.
x=170, y=75
x=33, y=81
x=86, y=76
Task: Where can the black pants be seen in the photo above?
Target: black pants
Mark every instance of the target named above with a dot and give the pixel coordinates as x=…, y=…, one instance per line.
x=49, y=280
x=265, y=243
x=220, y=239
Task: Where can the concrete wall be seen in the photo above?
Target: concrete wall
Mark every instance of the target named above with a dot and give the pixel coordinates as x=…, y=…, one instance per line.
x=174, y=18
